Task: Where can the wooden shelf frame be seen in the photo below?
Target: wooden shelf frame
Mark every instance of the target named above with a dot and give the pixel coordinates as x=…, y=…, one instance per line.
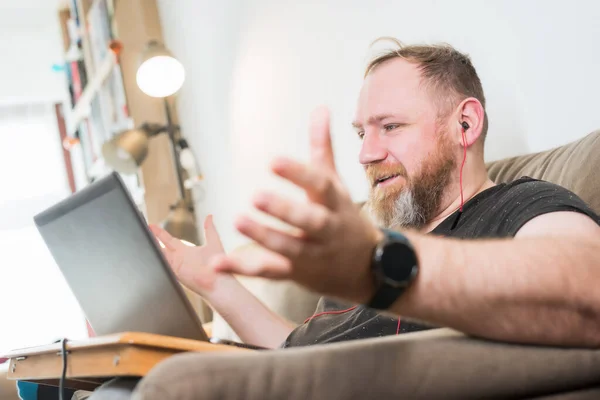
x=92, y=361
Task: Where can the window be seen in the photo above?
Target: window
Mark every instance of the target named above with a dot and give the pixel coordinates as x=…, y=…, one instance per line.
x=36, y=305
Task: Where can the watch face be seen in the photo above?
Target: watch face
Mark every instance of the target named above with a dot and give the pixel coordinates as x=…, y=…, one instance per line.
x=399, y=262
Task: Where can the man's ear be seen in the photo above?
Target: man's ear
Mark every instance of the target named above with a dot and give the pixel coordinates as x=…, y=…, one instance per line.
x=471, y=112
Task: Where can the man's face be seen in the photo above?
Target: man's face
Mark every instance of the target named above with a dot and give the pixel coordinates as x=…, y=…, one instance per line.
x=407, y=156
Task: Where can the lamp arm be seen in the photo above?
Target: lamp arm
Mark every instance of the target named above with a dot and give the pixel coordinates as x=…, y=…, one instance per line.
x=154, y=129
x=171, y=130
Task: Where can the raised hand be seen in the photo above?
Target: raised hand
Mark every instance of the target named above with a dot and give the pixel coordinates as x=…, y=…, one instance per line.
x=330, y=253
x=190, y=264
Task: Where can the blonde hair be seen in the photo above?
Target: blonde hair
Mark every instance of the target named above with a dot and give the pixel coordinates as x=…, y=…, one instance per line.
x=448, y=74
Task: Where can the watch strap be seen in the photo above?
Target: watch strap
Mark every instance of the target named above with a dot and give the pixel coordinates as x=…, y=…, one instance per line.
x=385, y=296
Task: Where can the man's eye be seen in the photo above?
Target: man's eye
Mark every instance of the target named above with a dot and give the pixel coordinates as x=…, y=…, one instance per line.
x=390, y=127
x=361, y=134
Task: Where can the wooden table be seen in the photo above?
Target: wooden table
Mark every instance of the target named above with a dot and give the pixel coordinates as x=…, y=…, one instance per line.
x=93, y=361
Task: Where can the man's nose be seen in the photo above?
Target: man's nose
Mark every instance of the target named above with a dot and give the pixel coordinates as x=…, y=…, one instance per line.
x=372, y=150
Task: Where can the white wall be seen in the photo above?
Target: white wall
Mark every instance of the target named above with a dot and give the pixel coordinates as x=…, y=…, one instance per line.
x=33, y=178
x=256, y=68
x=30, y=43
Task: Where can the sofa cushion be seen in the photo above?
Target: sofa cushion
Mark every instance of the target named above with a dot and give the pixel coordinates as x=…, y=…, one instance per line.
x=438, y=364
x=574, y=166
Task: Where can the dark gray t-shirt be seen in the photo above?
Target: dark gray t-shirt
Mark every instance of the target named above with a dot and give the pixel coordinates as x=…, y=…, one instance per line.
x=497, y=212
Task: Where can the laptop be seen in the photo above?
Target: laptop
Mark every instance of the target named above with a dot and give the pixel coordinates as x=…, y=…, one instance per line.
x=114, y=265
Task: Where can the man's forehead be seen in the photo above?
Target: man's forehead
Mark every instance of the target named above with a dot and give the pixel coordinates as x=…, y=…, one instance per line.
x=392, y=85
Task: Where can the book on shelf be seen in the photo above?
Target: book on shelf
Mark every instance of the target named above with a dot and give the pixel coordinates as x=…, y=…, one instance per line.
x=112, y=100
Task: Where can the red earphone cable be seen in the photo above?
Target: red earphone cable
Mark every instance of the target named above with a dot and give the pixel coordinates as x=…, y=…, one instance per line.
x=329, y=312
x=462, y=202
x=341, y=312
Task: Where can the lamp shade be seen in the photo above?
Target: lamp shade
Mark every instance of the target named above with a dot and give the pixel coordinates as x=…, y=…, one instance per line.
x=126, y=151
x=160, y=74
x=181, y=223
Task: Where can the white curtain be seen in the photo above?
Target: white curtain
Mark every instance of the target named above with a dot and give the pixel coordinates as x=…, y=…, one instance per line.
x=36, y=305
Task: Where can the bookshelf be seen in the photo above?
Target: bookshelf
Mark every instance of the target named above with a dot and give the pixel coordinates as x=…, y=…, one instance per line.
x=105, y=99
x=103, y=41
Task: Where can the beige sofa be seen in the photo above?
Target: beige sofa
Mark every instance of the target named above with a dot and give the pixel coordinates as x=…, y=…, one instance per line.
x=439, y=364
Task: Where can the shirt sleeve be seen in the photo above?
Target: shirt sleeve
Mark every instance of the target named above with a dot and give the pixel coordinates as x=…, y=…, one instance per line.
x=533, y=198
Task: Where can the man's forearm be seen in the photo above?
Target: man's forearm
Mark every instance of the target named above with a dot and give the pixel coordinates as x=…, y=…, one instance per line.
x=251, y=320
x=541, y=290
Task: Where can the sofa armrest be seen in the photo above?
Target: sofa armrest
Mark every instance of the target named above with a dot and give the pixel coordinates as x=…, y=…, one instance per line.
x=424, y=365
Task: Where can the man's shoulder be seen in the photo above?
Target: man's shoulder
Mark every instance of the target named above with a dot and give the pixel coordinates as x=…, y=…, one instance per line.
x=526, y=198
x=531, y=190
x=542, y=193
x=509, y=195
x=531, y=185
x=503, y=209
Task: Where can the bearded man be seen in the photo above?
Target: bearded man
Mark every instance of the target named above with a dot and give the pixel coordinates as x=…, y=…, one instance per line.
x=530, y=276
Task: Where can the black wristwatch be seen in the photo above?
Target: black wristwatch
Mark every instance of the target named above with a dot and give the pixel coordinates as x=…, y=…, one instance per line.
x=395, y=267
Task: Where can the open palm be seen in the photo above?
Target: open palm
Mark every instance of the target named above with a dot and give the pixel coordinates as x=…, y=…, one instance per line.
x=190, y=263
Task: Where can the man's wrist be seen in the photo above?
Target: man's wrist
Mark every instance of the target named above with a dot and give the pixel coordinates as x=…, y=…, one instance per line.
x=395, y=267
x=368, y=282
x=224, y=289
x=414, y=298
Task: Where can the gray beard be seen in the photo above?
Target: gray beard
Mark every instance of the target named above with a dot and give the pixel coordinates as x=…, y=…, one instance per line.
x=406, y=213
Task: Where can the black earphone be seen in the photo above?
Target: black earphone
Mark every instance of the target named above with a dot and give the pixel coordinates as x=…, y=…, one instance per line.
x=465, y=125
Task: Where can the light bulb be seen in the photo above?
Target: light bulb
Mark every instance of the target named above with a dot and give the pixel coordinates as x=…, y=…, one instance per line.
x=123, y=154
x=160, y=76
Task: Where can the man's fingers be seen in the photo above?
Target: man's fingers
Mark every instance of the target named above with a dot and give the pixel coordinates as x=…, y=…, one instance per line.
x=270, y=238
x=321, y=150
x=210, y=231
x=311, y=218
x=320, y=187
x=167, y=240
x=253, y=261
